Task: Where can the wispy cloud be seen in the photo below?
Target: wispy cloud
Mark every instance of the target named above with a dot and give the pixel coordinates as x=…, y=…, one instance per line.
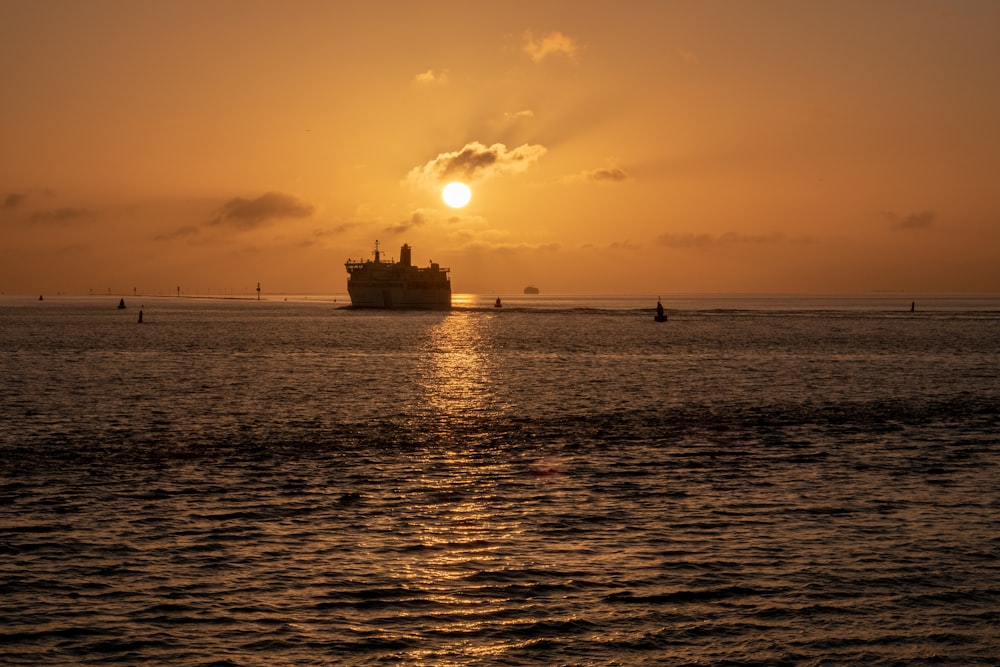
x=494, y=247
x=417, y=219
x=60, y=216
x=512, y=117
x=709, y=241
x=610, y=174
x=339, y=228
x=911, y=222
x=552, y=43
x=187, y=231
x=31, y=207
x=430, y=77
x=252, y=213
x=475, y=161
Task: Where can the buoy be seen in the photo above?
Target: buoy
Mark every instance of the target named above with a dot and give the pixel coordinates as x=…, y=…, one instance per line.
x=660, y=316
x=140, y=316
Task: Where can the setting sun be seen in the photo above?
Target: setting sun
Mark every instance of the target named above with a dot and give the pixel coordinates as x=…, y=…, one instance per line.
x=456, y=194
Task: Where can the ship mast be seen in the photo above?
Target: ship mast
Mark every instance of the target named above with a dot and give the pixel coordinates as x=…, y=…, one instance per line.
x=376, y=252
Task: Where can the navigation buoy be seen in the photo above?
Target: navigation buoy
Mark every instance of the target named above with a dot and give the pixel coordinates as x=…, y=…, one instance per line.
x=140, y=316
x=660, y=316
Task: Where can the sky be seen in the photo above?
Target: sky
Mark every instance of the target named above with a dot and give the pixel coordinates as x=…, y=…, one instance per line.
x=611, y=148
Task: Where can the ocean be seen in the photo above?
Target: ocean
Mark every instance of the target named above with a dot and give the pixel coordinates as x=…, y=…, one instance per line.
x=760, y=480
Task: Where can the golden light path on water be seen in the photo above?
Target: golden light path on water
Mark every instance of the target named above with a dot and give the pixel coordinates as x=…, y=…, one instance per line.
x=466, y=537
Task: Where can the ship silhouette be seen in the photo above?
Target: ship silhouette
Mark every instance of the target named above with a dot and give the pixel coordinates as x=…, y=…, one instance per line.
x=388, y=284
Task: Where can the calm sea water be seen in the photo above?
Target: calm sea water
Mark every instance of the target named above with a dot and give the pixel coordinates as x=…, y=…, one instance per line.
x=758, y=481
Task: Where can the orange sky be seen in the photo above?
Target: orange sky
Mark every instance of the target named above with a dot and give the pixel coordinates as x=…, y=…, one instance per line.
x=631, y=147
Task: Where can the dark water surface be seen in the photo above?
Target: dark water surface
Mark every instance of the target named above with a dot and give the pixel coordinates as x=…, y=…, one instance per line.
x=758, y=481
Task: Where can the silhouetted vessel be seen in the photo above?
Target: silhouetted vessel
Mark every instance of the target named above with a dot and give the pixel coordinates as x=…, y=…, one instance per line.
x=121, y=304
x=531, y=289
x=389, y=284
x=660, y=315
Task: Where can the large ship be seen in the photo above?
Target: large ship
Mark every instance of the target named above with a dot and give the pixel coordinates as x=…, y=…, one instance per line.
x=390, y=284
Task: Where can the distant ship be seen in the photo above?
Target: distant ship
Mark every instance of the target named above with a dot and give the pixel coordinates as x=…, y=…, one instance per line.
x=531, y=289
x=389, y=284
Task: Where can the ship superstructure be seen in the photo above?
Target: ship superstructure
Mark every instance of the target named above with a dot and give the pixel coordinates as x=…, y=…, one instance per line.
x=389, y=284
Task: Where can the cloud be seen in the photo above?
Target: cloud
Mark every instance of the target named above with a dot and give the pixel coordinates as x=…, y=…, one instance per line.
x=417, y=219
x=339, y=228
x=430, y=77
x=180, y=233
x=518, y=115
x=911, y=222
x=60, y=216
x=553, y=43
x=13, y=200
x=474, y=161
x=709, y=241
x=610, y=174
x=494, y=247
x=252, y=213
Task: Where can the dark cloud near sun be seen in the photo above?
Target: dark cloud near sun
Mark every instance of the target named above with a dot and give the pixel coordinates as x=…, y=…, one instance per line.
x=911, y=222
x=253, y=213
x=417, y=219
x=476, y=161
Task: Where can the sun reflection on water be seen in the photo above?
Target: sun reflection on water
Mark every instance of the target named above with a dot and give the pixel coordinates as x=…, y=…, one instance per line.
x=458, y=528
x=459, y=373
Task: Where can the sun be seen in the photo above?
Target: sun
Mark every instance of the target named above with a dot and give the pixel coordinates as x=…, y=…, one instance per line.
x=456, y=194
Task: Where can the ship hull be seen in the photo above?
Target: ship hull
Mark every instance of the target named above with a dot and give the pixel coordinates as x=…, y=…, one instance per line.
x=398, y=296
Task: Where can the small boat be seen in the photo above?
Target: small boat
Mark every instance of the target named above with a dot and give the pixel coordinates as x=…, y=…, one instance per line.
x=660, y=315
x=121, y=304
x=498, y=304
